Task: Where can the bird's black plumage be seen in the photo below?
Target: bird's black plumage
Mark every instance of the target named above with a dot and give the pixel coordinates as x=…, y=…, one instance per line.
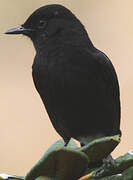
x=77, y=83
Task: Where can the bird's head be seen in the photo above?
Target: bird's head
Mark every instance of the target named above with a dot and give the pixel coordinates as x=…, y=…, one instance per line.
x=46, y=22
x=54, y=22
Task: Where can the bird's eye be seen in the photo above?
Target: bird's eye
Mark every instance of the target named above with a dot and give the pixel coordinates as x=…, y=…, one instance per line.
x=42, y=23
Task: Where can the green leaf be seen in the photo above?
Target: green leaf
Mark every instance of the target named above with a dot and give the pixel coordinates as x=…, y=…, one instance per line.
x=98, y=149
x=122, y=163
x=60, y=162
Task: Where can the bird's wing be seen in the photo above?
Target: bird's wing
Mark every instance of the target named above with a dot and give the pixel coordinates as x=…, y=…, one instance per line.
x=79, y=88
x=92, y=87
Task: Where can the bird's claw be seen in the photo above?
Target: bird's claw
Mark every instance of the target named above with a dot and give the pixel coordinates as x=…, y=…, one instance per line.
x=107, y=163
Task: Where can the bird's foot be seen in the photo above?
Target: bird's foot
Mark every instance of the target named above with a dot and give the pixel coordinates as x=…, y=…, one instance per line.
x=108, y=162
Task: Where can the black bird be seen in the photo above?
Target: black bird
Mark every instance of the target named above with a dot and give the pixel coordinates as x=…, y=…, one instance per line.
x=77, y=82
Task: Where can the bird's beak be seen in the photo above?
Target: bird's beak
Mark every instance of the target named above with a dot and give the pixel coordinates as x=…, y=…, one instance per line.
x=17, y=30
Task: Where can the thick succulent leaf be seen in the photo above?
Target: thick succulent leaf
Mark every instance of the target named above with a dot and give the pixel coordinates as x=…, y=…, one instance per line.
x=98, y=149
x=60, y=162
x=123, y=170
x=72, y=162
x=125, y=175
x=121, y=164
